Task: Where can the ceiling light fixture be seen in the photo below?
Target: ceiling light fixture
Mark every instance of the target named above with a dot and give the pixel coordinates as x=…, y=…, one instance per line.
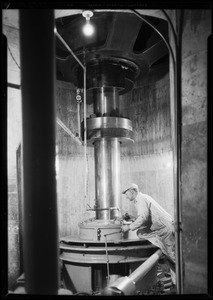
x=88, y=29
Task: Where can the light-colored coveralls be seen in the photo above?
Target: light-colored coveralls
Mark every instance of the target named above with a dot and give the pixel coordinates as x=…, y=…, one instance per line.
x=154, y=224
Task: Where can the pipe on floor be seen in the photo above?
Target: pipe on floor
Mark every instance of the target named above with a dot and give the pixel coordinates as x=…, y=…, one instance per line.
x=41, y=247
x=124, y=286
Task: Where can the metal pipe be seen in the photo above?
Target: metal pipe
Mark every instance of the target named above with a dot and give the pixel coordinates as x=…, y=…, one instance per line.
x=41, y=250
x=127, y=285
x=175, y=108
x=176, y=138
x=79, y=100
x=79, y=118
x=68, y=48
x=145, y=267
x=67, y=130
x=172, y=28
x=177, y=156
x=107, y=258
x=85, y=132
x=158, y=32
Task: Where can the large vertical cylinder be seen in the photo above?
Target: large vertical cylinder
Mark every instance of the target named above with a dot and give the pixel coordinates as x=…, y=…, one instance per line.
x=106, y=130
x=39, y=178
x=107, y=174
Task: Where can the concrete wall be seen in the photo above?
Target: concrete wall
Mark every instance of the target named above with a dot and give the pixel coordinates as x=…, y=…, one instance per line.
x=148, y=106
x=148, y=161
x=154, y=176
x=13, y=57
x=13, y=141
x=14, y=123
x=75, y=188
x=196, y=29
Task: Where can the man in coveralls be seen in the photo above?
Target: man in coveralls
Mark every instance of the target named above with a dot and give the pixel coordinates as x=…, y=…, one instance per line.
x=153, y=223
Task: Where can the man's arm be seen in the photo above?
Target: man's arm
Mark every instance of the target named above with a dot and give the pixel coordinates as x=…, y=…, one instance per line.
x=143, y=215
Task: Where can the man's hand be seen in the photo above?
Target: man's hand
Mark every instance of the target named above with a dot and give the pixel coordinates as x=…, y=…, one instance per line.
x=125, y=228
x=126, y=217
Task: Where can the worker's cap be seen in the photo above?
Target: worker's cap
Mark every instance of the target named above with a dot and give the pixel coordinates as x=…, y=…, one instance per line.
x=130, y=186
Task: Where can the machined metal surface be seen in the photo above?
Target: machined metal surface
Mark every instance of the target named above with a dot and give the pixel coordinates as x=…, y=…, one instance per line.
x=106, y=101
x=96, y=229
x=105, y=73
x=109, y=128
x=107, y=174
x=124, y=136
x=109, y=122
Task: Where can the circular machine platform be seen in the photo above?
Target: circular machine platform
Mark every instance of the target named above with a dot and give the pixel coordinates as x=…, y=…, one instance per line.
x=94, y=252
x=101, y=252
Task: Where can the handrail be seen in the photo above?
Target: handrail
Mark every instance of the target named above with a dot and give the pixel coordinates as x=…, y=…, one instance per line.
x=67, y=130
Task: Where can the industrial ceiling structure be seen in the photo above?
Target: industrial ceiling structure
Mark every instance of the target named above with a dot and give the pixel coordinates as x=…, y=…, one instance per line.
x=121, y=41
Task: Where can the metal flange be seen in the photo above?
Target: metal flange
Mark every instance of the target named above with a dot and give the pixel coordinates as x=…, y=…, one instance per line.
x=109, y=127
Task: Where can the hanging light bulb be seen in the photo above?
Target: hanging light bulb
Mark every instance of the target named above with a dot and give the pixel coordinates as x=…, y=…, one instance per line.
x=88, y=29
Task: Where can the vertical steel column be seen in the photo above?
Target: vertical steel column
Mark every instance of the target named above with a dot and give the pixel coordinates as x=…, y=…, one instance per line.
x=107, y=174
x=41, y=247
x=107, y=157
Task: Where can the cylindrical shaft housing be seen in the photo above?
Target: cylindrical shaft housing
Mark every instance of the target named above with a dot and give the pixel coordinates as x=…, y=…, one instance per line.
x=106, y=101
